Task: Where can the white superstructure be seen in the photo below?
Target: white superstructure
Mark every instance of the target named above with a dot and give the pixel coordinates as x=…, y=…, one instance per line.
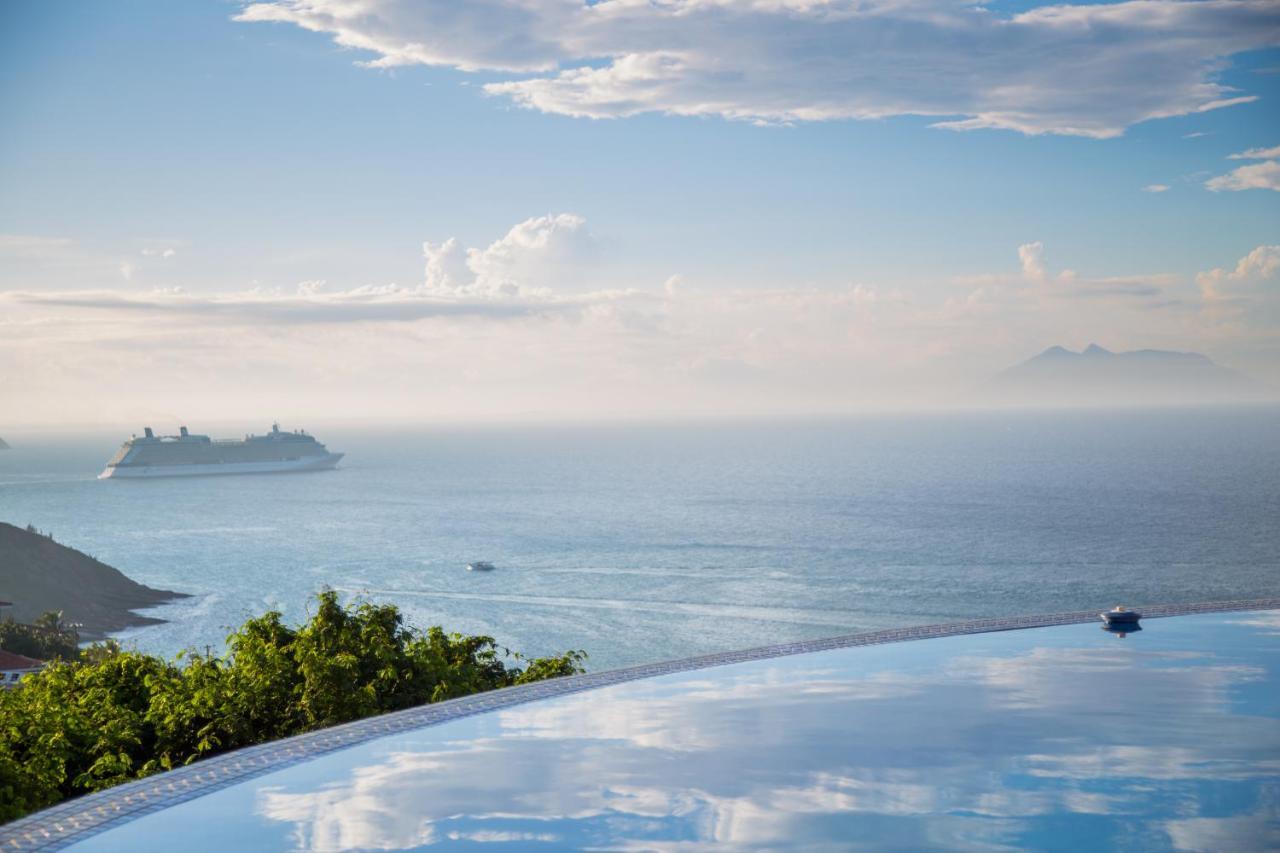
x=187, y=455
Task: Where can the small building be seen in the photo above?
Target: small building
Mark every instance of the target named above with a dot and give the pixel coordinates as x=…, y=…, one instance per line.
x=13, y=667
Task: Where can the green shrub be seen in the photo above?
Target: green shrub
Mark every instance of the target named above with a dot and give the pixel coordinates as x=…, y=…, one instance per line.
x=47, y=639
x=113, y=715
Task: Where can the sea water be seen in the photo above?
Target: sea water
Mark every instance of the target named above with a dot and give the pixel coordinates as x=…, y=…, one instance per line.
x=645, y=542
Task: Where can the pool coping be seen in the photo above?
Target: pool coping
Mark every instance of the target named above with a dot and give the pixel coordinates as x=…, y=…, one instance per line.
x=75, y=820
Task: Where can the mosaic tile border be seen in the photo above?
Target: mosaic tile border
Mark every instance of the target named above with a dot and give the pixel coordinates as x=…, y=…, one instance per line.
x=75, y=820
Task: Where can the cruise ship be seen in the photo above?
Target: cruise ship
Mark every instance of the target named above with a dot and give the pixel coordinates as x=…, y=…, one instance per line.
x=187, y=455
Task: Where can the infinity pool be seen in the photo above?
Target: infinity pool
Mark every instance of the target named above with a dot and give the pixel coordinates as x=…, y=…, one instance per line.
x=1063, y=738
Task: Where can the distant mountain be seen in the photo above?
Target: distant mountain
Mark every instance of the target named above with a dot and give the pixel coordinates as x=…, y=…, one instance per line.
x=38, y=574
x=3, y=446
x=1098, y=376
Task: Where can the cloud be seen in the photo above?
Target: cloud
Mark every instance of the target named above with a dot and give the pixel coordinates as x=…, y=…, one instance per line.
x=518, y=325
x=534, y=255
x=799, y=60
x=1255, y=176
x=1255, y=269
x=507, y=279
x=309, y=306
x=1257, y=154
x=1032, y=257
x=163, y=254
x=1156, y=188
x=1037, y=289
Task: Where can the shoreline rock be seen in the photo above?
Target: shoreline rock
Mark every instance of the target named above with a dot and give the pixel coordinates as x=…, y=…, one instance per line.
x=38, y=574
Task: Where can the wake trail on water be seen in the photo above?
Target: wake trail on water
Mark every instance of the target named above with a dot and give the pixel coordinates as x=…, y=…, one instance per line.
x=750, y=612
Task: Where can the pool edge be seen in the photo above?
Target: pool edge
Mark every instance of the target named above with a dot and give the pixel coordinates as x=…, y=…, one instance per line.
x=75, y=820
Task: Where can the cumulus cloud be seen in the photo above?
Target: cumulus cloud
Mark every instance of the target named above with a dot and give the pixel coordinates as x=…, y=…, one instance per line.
x=798, y=60
x=532, y=257
x=1156, y=188
x=1032, y=257
x=163, y=254
x=1252, y=272
x=506, y=279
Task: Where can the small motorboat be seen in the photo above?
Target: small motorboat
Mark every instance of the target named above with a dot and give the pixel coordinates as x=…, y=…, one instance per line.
x=481, y=566
x=1120, y=616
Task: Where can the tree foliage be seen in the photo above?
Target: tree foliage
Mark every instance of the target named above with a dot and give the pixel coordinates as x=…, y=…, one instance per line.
x=48, y=639
x=113, y=715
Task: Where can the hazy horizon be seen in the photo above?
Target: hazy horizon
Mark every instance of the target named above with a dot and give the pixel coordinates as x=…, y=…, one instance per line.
x=968, y=395
x=219, y=212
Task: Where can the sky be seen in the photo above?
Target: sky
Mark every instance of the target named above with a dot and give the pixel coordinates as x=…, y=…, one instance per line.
x=224, y=212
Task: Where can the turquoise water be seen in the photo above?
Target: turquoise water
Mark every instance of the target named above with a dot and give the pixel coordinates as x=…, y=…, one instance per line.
x=639, y=543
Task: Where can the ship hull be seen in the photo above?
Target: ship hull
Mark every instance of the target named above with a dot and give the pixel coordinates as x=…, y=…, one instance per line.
x=274, y=466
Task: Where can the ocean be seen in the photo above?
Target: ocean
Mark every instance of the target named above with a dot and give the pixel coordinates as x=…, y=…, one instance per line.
x=644, y=542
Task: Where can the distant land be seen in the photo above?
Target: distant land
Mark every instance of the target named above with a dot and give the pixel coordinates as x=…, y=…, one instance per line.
x=1098, y=376
x=3, y=446
x=38, y=574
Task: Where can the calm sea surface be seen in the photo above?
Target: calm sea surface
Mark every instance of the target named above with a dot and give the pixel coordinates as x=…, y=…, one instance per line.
x=642, y=543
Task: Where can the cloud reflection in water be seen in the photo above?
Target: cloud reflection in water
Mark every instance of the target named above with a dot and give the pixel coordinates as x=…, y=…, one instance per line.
x=1012, y=747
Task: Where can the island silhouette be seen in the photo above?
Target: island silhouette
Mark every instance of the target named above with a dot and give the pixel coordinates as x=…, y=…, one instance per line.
x=1098, y=376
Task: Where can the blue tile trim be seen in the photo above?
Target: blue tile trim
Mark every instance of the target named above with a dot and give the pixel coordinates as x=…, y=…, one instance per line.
x=75, y=820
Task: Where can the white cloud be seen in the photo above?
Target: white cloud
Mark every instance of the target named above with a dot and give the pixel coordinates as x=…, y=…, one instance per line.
x=802, y=60
x=507, y=279
x=1255, y=176
x=309, y=306
x=516, y=325
x=164, y=254
x=1032, y=257
x=1250, y=274
x=1257, y=154
x=1156, y=188
x=531, y=258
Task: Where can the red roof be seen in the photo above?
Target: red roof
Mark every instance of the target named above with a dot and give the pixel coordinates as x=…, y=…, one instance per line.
x=8, y=660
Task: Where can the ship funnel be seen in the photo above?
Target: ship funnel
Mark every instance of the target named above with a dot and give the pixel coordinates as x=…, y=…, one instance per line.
x=148, y=432
x=183, y=430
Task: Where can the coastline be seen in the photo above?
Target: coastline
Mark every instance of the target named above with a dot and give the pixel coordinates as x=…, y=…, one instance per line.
x=39, y=574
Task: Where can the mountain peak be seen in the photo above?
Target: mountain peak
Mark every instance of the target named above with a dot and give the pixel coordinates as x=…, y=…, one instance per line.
x=1097, y=375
